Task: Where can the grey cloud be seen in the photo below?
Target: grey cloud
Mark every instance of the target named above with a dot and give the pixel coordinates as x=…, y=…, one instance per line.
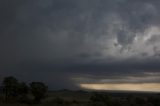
x=125, y=38
x=154, y=39
x=66, y=38
x=142, y=78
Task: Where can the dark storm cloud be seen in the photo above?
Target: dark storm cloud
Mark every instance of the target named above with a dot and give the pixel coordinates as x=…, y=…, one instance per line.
x=61, y=39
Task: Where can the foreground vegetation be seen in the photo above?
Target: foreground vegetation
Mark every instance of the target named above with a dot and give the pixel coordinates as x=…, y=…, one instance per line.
x=17, y=93
x=14, y=91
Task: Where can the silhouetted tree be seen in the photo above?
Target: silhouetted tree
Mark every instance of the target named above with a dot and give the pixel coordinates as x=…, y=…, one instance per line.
x=38, y=89
x=23, y=91
x=10, y=89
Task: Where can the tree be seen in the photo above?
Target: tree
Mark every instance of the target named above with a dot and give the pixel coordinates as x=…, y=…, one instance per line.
x=10, y=85
x=38, y=89
x=23, y=91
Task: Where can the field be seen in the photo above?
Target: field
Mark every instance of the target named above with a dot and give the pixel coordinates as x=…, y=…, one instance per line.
x=82, y=98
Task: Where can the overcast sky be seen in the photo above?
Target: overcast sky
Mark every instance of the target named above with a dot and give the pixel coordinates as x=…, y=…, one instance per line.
x=68, y=43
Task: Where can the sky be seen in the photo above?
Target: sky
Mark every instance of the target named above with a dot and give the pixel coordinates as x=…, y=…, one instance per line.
x=82, y=44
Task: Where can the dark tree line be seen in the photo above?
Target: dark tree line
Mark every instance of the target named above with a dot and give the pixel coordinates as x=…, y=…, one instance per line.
x=19, y=91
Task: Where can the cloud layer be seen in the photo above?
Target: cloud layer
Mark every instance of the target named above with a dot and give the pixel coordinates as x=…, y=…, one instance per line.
x=73, y=39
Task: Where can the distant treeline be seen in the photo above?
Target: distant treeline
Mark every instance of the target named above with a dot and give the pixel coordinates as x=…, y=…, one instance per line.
x=16, y=91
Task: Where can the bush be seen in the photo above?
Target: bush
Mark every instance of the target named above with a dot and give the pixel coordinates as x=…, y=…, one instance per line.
x=38, y=89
